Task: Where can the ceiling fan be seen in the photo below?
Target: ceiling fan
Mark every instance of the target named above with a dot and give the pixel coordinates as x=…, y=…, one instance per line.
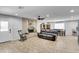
x=42, y=18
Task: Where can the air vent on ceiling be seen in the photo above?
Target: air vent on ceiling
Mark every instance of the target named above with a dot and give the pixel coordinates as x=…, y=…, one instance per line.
x=20, y=7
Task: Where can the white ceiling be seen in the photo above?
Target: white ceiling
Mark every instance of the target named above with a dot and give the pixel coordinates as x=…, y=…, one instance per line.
x=34, y=11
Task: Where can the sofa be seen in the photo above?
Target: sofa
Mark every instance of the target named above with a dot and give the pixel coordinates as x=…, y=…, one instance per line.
x=59, y=32
x=49, y=35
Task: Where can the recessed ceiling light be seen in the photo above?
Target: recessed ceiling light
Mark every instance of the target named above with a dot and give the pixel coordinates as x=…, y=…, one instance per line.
x=72, y=11
x=16, y=14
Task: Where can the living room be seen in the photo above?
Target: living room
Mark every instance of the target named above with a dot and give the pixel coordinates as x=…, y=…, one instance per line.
x=39, y=29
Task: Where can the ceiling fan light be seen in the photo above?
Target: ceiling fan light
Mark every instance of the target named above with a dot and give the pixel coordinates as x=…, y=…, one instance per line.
x=72, y=11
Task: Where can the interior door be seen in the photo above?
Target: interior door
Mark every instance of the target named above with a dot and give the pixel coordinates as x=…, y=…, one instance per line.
x=4, y=31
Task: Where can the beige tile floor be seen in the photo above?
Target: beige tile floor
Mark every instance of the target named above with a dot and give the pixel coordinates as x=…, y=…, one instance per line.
x=36, y=45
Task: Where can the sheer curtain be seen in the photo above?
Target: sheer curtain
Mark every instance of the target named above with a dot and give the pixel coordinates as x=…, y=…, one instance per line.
x=59, y=26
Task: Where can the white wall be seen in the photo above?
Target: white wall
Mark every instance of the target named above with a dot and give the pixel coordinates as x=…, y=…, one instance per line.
x=52, y=21
x=15, y=24
x=69, y=25
x=52, y=25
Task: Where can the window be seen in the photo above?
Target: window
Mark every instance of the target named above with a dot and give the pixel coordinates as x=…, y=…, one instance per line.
x=3, y=26
x=59, y=26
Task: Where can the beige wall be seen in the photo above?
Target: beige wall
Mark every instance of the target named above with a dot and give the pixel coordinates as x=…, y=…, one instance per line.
x=33, y=23
x=26, y=24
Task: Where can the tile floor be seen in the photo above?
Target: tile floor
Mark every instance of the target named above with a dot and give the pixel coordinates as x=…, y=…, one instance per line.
x=33, y=44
